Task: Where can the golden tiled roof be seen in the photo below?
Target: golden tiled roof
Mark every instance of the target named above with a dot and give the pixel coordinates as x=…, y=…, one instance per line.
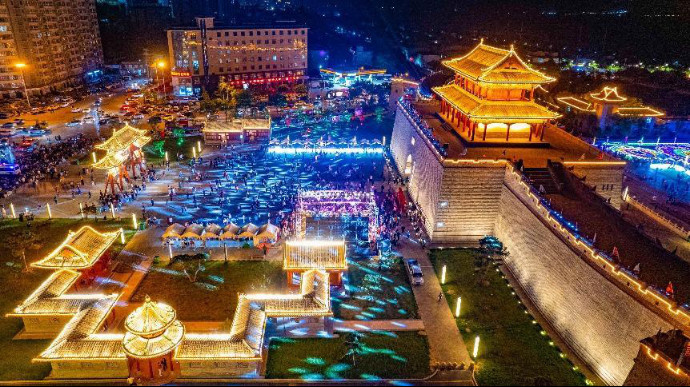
x=80, y=250
x=608, y=94
x=639, y=111
x=576, y=103
x=485, y=111
x=313, y=300
x=109, y=161
x=142, y=347
x=79, y=340
x=314, y=254
x=495, y=65
x=150, y=319
x=123, y=138
x=47, y=300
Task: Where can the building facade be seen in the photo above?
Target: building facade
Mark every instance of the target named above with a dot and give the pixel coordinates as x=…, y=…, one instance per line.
x=207, y=54
x=58, y=41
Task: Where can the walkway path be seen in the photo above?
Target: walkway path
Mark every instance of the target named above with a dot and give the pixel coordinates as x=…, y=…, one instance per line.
x=445, y=342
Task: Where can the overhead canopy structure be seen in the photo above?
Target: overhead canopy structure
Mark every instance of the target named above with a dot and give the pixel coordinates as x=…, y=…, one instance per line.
x=80, y=250
x=230, y=231
x=336, y=203
x=268, y=233
x=174, y=231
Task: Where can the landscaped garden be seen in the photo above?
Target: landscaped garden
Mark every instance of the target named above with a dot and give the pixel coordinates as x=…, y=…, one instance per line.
x=371, y=356
x=513, y=349
x=17, y=242
x=174, y=145
x=376, y=292
x=201, y=290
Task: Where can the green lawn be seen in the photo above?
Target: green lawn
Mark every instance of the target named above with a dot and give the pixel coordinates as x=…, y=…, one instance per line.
x=213, y=297
x=376, y=295
x=385, y=355
x=18, y=284
x=513, y=349
x=155, y=150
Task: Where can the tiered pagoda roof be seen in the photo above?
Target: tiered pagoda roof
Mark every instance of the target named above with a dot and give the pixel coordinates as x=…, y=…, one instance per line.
x=48, y=299
x=482, y=110
x=123, y=138
x=315, y=254
x=492, y=65
x=152, y=330
x=80, y=250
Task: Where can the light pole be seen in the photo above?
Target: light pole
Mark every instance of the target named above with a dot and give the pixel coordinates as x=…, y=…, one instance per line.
x=20, y=67
x=161, y=65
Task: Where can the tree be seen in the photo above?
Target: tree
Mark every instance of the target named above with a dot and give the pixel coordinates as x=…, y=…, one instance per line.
x=22, y=241
x=245, y=98
x=301, y=90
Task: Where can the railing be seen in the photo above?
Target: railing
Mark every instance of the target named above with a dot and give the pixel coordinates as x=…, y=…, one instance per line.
x=421, y=126
x=654, y=297
x=659, y=217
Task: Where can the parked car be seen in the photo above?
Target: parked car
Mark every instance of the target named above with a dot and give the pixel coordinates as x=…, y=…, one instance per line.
x=415, y=271
x=74, y=123
x=9, y=125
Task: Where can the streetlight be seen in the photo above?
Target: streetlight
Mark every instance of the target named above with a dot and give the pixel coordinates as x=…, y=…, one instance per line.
x=161, y=65
x=20, y=66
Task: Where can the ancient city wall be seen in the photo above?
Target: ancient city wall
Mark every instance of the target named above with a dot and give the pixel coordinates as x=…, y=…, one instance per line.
x=469, y=202
x=426, y=172
x=605, y=179
x=600, y=321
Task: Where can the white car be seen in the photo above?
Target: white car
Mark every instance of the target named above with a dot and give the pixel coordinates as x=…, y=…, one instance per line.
x=76, y=110
x=415, y=271
x=74, y=123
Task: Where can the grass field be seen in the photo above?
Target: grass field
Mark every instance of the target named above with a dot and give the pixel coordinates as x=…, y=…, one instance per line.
x=513, y=349
x=17, y=284
x=376, y=294
x=384, y=355
x=213, y=297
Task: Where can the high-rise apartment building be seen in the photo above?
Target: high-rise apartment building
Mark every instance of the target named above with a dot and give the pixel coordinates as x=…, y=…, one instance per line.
x=57, y=40
x=252, y=55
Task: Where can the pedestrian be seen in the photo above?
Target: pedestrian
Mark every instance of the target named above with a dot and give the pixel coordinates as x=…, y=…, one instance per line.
x=440, y=296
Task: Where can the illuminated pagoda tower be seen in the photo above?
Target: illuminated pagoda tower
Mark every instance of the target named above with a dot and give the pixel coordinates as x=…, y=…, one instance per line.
x=8, y=164
x=153, y=335
x=123, y=148
x=608, y=102
x=491, y=98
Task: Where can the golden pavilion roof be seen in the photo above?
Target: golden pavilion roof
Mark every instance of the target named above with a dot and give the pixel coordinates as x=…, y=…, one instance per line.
x=152, y=330
x=150, y=319
x=608, y=94
x=109, y=161
x=314, y=254
x=485, y=111
x=147, y=347
x=125, y=137
x=576, y=103
x=494, y=65
x=80, y=250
